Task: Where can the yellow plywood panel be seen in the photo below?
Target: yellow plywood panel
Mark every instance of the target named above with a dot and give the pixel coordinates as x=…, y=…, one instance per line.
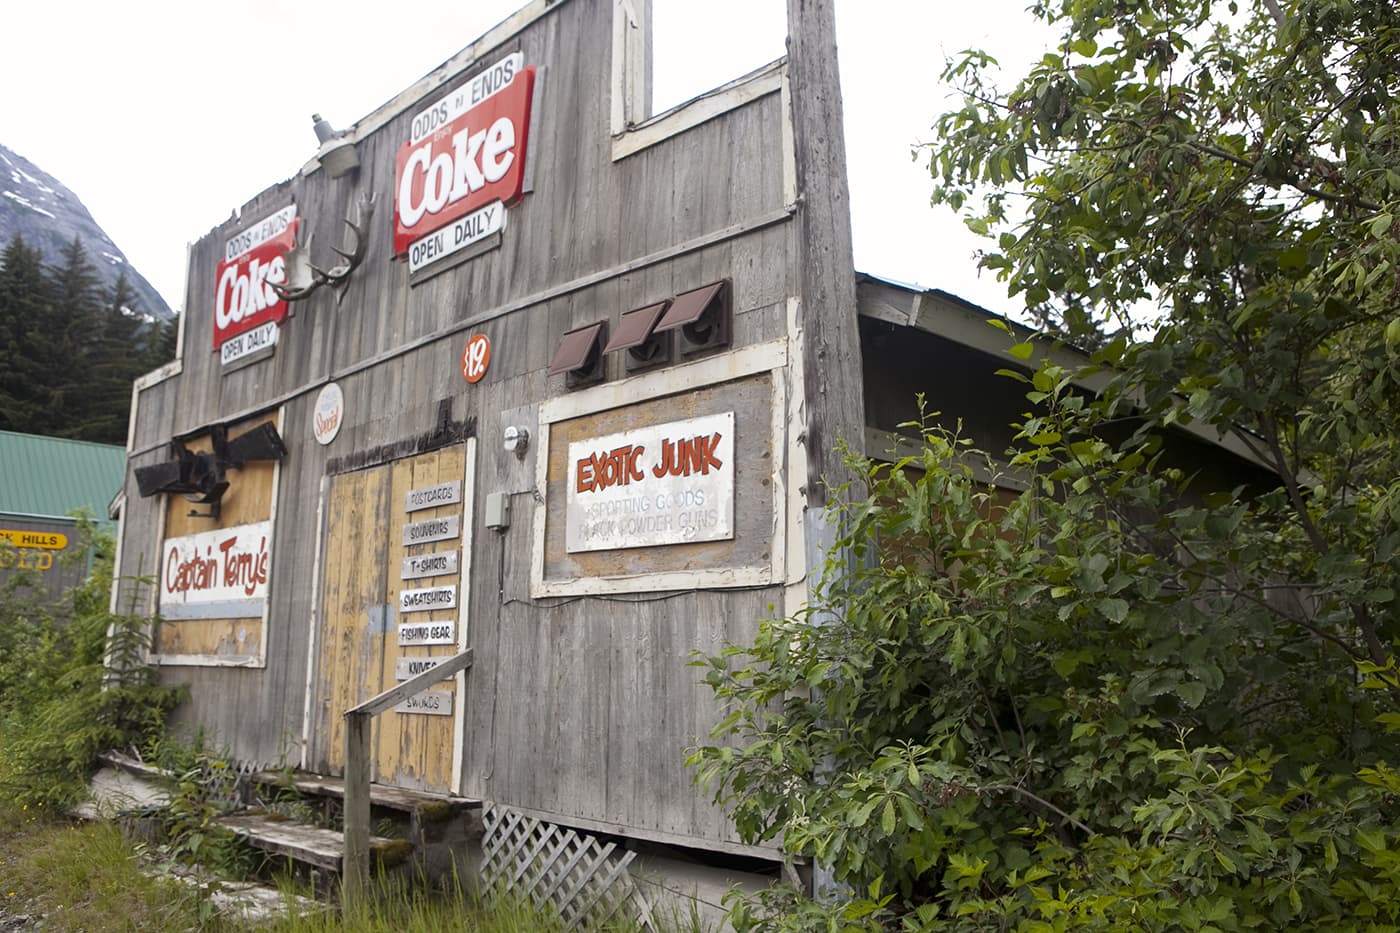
x=221, y=638
x=415, y=750
x=247, y=500
x=249, y=495
x=354, y=613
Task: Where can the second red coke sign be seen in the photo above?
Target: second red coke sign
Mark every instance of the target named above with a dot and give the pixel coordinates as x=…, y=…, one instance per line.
x=464, y=151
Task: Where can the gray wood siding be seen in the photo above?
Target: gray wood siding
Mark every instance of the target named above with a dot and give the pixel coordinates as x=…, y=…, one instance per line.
x=580, y=707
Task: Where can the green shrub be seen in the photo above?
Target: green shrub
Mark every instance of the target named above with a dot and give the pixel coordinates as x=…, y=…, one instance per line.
x=73, y=683
x=1031, y=712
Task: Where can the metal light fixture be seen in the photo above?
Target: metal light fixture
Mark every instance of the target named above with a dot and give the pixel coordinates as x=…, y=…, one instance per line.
x=337, y=153
x=516, y=440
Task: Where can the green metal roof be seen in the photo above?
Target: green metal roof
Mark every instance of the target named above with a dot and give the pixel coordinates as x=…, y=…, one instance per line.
x=52, y=476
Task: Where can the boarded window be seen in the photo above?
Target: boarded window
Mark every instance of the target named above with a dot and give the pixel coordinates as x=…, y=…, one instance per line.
x=215, y=566
x=700, y=46
x=677, y=64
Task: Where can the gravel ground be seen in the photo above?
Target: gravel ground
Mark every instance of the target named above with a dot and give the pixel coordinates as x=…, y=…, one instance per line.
x=14, y=921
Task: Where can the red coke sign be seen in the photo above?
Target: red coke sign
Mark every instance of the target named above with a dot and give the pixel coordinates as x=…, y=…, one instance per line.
x=254, y=260
x=465, y=151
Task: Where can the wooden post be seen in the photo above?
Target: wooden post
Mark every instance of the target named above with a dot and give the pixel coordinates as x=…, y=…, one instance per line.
x=826, y=286
x=354, y=871
x=827, y=332
x=354, y=864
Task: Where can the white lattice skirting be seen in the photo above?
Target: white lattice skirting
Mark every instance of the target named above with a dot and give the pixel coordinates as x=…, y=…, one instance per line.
x=587, y=882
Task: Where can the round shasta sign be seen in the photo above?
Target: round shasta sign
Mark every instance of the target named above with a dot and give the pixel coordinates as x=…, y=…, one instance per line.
x=328, y=414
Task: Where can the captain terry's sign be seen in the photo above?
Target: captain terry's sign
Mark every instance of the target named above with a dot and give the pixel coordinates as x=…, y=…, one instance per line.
x=247, y=310
x=463, y=163
x=220, y=574
x=662, y=484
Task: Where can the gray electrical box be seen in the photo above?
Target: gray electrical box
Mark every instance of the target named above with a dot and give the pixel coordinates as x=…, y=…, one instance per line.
x=498, y=510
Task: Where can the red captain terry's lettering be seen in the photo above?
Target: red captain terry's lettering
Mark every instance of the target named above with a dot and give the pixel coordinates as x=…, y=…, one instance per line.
x=476, y=158
x=245, y=570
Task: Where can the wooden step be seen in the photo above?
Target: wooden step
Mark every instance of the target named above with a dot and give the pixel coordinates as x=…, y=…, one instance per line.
x=312, y=845
x=380, y=795
x=137, y=768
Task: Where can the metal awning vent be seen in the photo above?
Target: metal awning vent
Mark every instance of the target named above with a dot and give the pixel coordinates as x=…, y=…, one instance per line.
x=636, y=334
x=702, y=317
x=580, y=355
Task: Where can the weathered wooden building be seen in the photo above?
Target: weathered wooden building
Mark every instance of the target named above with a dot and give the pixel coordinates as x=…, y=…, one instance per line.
x=565, y=403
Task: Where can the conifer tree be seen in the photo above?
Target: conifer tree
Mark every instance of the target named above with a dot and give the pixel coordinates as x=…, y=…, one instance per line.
x=117, y=353
x=70, y=349
x=25, y=392
x=74, y=317
x=161, y=343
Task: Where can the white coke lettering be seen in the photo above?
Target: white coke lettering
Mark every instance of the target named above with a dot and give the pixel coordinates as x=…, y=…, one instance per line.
x=241, y=294
x=475, y=159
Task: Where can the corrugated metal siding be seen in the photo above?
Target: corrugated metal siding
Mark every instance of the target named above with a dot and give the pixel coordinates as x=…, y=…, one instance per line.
x=53, y=476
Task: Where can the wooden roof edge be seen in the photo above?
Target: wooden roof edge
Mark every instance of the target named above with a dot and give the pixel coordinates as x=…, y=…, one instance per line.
x=970, y=325
x=461, y=62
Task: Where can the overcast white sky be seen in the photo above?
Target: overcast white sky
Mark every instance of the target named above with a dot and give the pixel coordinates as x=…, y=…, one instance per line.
x=164, y=116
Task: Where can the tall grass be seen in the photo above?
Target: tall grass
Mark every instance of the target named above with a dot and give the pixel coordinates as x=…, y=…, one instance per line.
x=85, y=877
x=418, y=909
x=73, y=682
x=59, y=706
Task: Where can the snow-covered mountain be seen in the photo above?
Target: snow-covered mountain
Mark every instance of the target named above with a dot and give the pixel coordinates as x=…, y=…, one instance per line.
x=48, y=216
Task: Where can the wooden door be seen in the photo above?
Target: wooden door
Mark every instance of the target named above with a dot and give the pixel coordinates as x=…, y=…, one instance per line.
x=397, y=540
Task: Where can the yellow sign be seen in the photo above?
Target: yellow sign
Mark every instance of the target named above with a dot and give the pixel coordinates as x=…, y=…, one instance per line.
x=44, y=540
x=28, y=560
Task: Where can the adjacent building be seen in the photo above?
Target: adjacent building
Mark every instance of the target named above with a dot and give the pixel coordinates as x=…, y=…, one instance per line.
x=46, y=485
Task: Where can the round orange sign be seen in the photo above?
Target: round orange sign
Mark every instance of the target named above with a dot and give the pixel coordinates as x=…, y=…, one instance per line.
x=476, y=356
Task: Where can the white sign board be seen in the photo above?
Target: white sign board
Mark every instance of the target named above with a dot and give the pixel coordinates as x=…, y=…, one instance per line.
x=405, y=668
x=429, y=703
x=429, y=598
x=428, y=633
x=218, y=574
x=432, y=496
x=662, y=484
x=485, y=85
x=447, y=528
x=439, y=564
x=248, y=342
x=457, y=236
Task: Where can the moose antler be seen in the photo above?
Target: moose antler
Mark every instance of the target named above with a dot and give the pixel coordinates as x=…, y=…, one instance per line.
x=304, y=278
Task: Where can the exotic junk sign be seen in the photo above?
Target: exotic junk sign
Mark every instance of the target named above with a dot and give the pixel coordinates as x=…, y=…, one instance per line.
x=662, y=484
x=464, y=162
